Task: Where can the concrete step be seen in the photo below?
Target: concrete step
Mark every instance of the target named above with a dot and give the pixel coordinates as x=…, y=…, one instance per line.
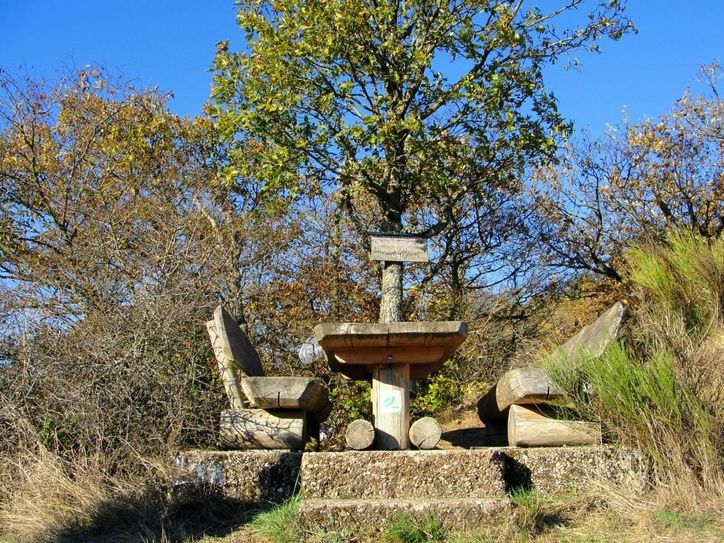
x=454, y=513
x=403, y=474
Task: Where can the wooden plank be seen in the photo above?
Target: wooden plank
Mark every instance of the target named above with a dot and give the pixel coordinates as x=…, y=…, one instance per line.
x=389, y=355
x=525, y=386
x=391, y=406
x=594, y=338
x=235, y=345
x=261, y=429
x=529, y=428
x=226, y=368
x=285, y=393
x=398, y=248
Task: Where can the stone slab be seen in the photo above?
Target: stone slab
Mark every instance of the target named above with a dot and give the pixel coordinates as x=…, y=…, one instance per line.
x=235, y=345
x=254, y=477
x=403, y=474
x=454, y=513
x=286, y=393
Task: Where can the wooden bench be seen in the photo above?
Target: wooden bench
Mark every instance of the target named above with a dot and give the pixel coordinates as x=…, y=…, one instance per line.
x=284, y=410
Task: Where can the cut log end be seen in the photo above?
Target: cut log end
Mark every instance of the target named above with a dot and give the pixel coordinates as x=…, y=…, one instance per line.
x=360, y=435
x=425, y=433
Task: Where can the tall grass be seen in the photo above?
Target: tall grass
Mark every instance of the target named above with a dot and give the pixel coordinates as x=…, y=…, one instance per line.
x=661, y=391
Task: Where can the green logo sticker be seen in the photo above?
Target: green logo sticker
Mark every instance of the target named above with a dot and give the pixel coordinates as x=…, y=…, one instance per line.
x=390, y=401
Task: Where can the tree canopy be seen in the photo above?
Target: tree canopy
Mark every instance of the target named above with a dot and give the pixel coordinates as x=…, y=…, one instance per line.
x=414, y=105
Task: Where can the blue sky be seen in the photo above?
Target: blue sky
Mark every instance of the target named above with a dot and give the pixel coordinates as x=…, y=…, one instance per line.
x=170, y=44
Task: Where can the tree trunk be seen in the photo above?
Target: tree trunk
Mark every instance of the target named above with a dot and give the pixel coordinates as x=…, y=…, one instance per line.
x=391, y=302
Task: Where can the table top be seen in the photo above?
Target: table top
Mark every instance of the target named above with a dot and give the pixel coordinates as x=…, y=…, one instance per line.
x=353, y=349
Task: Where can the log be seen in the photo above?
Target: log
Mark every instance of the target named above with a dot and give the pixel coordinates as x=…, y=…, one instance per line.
x=261, y=429
x=235, y=345
x=528, y=428
x=425, y=433
x=521, y=386
x=391, y=405
x=360, y=435
x=226, y=368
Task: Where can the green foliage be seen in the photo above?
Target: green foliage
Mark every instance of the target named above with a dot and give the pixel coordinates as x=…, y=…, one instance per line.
x=279, y=525
x=683, y=281
x=351, y=400
x=529, y=509
x=406, y=529
x=654, y=392
x=347, y=95
x=435, y=394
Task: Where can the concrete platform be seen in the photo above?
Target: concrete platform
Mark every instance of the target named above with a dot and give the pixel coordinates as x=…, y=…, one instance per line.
x=456, y=514
x=253, y=476
x=403, y=474
x=368, y=487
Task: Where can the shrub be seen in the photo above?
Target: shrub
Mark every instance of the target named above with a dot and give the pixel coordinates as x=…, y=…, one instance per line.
x=660, y=391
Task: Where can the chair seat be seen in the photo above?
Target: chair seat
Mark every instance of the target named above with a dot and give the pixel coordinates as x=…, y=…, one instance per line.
x=304, y=393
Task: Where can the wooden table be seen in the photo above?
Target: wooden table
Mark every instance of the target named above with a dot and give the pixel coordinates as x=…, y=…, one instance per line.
x=391, y=354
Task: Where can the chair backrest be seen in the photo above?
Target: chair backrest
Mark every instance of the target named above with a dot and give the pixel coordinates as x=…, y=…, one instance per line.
x=235, y=345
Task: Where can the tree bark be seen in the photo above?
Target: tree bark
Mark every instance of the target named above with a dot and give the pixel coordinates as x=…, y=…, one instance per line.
x=391, y=302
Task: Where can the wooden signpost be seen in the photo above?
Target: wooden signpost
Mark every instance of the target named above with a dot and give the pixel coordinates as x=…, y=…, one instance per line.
x=397, y=248
x=391, y=382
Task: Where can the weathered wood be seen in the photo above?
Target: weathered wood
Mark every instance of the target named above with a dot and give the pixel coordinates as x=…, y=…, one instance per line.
x=285, y=393
x=391, y=406
x=226, y=368
x=391, y=248
x=262, y=429
x=528, y=428
x=235, y=345
x=594, y=338
x=360, y=435
x=526, y=386
x=348, y=338
x=520, y=386
x=389, y=355
x=425, y=433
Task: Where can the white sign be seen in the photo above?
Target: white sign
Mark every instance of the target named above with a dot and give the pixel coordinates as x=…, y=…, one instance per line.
x=398, y=248
x=390, y=402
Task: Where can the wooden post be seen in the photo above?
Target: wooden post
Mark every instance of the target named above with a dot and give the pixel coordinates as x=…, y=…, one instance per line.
x=391, y=382
x=391, y=405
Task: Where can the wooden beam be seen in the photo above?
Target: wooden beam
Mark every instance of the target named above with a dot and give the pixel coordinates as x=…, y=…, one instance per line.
x=391, y=406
